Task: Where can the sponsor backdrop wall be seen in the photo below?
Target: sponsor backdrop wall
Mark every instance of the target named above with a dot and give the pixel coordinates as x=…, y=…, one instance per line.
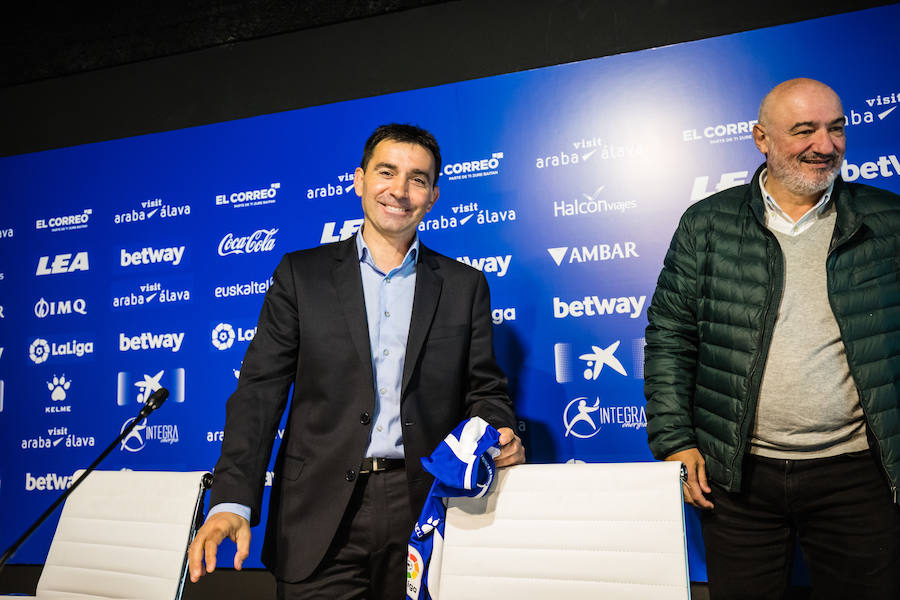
x=143, y=262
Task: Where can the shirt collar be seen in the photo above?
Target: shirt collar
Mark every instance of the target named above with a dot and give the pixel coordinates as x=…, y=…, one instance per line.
x=774, y=210
x=365, y=255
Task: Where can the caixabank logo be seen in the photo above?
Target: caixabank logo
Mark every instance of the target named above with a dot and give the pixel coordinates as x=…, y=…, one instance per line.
x=596, y=359
x=249, y=198
x=587, y=148
x=60, y=349
x=152, y=209
x=135, y=387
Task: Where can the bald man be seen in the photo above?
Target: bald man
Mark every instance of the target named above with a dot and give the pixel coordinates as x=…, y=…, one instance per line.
x=773, y=364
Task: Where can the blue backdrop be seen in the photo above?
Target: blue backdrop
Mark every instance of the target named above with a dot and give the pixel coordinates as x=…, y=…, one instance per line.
x=142, y=262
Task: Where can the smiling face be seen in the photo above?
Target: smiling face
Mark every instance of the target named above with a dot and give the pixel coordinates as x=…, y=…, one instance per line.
x=397, y=189
x=801, y=132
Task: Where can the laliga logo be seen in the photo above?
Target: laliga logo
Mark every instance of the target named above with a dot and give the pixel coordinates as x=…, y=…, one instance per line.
x=581, y=416
x=39, y=351
x=261, y=240
x=223, y=336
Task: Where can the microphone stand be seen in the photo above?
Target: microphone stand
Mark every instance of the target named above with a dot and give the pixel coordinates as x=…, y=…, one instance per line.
x=153, y=402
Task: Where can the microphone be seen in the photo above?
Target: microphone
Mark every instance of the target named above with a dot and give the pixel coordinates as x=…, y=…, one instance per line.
x=155, y=400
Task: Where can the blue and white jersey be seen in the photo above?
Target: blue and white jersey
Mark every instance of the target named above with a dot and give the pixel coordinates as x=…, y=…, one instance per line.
x=462, y=465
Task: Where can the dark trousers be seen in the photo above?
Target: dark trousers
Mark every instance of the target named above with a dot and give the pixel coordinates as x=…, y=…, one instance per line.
x=840, y=511
x=367, y=558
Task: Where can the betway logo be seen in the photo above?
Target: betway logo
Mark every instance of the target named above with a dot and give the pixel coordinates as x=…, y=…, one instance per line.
x=150, y=341
x=594, y=306
x=595, y=253
x=50, y=481
x=63, y=263
x=884, y=166
x=150, y=256
x=349, y=227
x=473, y=168
x=488, y=264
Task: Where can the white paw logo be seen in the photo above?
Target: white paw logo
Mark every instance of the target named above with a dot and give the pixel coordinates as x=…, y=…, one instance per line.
x=430, y=524
x=39, y=351
x=58, y=387
x=223, y=336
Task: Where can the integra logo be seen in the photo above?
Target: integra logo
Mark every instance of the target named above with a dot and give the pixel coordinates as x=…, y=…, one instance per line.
x=63, y=263
x=261, y=240
x=43, y=308
x=151, y=256
x=137, y=438
x=150, y=209
x=247, y=198
x=471, y=169
x=66, y=223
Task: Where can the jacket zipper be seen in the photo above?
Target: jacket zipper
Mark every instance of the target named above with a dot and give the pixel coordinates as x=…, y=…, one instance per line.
x=765, y=341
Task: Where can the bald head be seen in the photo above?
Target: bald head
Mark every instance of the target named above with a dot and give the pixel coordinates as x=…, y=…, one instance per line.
x=792, y=91
x=801, y=132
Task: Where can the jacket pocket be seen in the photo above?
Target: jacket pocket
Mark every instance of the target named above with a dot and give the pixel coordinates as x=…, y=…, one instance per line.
x=292, y=467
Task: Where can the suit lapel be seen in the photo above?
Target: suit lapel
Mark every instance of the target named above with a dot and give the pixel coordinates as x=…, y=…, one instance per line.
x=425, y=301
x=348, y=282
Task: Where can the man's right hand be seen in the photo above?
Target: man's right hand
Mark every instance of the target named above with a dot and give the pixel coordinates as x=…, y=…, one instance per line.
x=206, y=542
x=696, y=484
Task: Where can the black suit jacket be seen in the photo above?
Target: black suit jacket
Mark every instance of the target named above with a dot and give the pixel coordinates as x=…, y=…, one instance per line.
x=313, y=333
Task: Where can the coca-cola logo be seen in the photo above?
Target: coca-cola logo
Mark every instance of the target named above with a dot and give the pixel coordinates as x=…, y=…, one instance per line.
x=261, y=240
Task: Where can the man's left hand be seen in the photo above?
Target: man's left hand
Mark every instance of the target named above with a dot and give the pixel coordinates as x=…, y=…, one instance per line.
x=512, y=452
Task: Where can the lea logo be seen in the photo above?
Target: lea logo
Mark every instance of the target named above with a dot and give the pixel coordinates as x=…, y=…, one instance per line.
x=63, y=263
x=347, y=229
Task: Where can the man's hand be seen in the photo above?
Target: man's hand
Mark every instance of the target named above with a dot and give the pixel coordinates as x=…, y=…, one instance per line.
x=696, y=484
x=217, y=528
x=512, y=452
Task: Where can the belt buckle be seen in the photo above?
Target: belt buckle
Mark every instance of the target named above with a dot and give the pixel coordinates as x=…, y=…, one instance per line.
x=376, y=466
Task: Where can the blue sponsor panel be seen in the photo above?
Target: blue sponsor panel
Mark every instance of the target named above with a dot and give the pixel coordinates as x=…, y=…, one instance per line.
x=143, y=262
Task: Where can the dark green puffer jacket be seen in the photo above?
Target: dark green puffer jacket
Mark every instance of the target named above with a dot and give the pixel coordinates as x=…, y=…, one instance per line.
x=712, y=315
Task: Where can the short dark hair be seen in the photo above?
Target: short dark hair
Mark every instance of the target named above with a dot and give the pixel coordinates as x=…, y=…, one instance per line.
x=405, y=133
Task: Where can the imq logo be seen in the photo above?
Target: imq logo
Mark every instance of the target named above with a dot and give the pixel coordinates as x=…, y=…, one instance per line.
x=52, y=308
x=63, y=263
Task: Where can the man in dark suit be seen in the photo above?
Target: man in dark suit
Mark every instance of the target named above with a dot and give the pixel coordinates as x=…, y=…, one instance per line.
x=388, y=346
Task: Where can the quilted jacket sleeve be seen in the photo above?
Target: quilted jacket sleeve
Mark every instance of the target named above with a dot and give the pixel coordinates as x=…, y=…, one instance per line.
x=670, y=366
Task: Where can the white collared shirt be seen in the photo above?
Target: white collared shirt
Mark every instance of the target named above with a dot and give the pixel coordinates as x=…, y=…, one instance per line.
x=778, y=220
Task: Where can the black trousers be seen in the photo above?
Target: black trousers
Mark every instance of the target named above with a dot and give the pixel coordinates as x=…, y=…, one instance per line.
x=840, y=511
x=367, y=558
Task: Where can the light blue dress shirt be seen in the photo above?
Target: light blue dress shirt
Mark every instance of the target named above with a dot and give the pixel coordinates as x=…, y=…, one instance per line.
x=389, y=300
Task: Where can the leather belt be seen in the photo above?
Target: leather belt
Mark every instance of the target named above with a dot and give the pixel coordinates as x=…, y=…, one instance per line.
x=375, y=464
